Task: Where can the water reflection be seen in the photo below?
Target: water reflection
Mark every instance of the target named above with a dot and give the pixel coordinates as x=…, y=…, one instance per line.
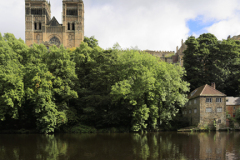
x=151, y=146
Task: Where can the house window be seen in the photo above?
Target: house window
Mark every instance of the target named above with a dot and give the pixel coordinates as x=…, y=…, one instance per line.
x=234, y=108
x=208, y=110
x=190, y=111
x=195, y=110
x=195, y=101
x=40, y=26
x=208, y=100
x=229, y=116
x=233, y=114
x=219, y=109
x=193, y=92
x=218, y=99
x=226, y=100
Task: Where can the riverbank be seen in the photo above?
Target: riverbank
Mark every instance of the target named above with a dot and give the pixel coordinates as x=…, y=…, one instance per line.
x=197, y=129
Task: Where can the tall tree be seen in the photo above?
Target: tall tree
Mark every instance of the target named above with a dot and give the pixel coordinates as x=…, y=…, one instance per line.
x=11, y=78
x=208, y=60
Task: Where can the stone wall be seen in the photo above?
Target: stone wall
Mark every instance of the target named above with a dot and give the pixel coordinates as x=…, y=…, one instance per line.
x=195, y=111
x=193, y=106
x=166, y=56
x=207, y=118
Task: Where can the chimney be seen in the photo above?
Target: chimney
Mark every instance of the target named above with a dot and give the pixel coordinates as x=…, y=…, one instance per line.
x=213, y=85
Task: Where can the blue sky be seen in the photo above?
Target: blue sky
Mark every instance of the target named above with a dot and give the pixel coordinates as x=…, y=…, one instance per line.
x=197, y=26
x=151, y=24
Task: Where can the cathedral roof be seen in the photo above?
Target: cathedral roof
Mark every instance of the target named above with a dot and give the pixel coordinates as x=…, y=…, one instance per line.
x=53, y=22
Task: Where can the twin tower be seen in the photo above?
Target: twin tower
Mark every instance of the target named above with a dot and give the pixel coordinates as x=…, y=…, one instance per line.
x=41, y=28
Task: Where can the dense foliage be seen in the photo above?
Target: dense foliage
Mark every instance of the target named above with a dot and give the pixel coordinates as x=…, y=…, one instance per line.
x=59, y=88
x=207, y=60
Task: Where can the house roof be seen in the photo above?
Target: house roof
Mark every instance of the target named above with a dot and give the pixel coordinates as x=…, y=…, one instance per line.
x=233, y=101
x=53, y=22
x=205, y=90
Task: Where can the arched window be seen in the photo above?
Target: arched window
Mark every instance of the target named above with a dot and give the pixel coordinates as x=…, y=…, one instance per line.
x=35, y=26
x=73, y=26
x=68, y=26
x=40, y=26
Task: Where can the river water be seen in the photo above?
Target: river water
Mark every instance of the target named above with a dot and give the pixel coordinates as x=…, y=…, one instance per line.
x=122, y=146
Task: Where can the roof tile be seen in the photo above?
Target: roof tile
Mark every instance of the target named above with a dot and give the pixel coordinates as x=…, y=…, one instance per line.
x=205, y=90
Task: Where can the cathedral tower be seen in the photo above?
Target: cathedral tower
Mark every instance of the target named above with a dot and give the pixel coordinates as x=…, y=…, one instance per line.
x=73, y=19
x=40, y=28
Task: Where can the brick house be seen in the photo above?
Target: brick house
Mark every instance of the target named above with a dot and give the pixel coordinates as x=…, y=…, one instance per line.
x=206, y=105
x=232, y=104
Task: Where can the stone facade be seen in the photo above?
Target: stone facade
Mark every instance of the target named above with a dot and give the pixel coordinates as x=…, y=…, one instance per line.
x=218, y=111
x=234, y=37
x=192, y=111
x=180, y=54
x=40, y=28
x=205, y=106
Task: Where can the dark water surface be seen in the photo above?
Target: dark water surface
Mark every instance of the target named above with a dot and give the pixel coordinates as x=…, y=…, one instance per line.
x=124, y=146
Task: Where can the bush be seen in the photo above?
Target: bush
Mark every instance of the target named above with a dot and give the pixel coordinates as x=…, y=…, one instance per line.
x=79, y=128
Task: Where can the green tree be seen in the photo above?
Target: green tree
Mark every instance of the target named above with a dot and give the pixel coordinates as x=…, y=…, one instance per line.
x=53, y=88
x=11, y=78
x=152, y=88
x=208, y=60
x=92, y=42
x=49, y=82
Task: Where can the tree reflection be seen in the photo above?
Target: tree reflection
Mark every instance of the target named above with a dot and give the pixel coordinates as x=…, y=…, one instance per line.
x=52, y=148
x=127, y=146
x=39, y=147
x=141, y=147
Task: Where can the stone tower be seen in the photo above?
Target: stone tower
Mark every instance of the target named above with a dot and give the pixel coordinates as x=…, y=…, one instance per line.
x=40, y=28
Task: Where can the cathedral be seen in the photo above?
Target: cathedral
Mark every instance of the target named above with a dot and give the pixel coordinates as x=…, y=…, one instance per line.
x=40, y=28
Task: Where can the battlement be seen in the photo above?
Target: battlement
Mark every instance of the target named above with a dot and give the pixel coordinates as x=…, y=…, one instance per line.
x=157, y=51
x=72, y=1
x=36, y=0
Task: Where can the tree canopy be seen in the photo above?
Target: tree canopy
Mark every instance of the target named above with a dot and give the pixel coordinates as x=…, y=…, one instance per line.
x=49, y=89
x=207, y=60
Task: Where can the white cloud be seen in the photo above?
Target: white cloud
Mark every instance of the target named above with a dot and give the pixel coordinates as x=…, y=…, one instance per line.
x=225, y=28
x=12, y=18
x=148, y=24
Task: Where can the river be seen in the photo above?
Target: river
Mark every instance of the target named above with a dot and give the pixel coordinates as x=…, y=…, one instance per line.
x=122, y=146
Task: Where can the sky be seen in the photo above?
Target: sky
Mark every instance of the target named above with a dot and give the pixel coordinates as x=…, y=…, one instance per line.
x=147, y=24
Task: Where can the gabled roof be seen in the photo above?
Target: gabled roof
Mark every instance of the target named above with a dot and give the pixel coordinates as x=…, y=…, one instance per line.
x=233, y=101
x=205, y=90
x=53, y=22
